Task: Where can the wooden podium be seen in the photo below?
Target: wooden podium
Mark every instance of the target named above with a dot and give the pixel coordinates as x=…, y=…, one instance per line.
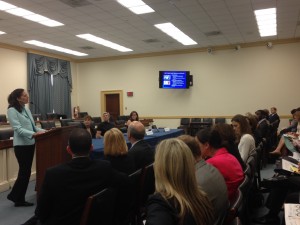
x=50, y=151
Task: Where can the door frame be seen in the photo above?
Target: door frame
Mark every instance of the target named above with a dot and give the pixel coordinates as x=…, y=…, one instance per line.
x=103, y=100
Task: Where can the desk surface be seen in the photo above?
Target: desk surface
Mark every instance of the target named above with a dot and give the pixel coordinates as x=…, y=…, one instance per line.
x=153, y=139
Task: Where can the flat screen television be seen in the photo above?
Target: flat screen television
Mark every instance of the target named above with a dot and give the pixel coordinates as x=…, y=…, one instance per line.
x=174, y=79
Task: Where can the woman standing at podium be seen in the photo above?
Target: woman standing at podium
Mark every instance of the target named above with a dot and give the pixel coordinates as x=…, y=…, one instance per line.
x=21, y=120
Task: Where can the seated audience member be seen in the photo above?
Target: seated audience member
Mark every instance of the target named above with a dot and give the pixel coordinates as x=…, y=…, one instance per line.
x=134, y=116
x=209, y=179
x=178, y=199
x=296, y=129
x=210, y=143
x=252, y=120
x=246, y=142
x=293, y=124
x=262, y=129
x=104, y=126
x=141, y=151
x=228, y=141
x=116, y=151
x=279, y=191
x=87, y=123
x=66, y=187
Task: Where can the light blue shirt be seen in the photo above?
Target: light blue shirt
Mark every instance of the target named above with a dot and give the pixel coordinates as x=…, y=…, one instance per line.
x=23, y=126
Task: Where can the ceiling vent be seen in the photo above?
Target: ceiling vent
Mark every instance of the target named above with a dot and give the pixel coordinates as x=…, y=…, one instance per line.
x=87, y=47
x=76, y=3
x=213, y=33
x=151, y=40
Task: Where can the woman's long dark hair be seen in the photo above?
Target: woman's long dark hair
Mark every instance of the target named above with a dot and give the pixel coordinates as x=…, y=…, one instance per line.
x=13, y=99
x=137, y=115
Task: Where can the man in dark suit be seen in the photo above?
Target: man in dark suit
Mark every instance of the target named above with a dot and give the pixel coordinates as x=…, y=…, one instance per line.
x=141, y=151
x=66, y=187
x=262, y=129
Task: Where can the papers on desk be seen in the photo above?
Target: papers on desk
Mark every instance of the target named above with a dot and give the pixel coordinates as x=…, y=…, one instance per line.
x=292, y=214
x=287, y=165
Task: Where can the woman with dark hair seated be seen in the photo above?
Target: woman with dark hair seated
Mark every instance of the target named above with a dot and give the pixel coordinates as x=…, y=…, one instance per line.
x=87, y=123
x=134, y=116
x=228, y=141
x=210, y=142
x=246, y=142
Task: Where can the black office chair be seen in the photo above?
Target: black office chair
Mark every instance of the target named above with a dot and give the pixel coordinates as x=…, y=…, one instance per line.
x=6, y=134
x=47, y=125
x=64, y=122
x=195, y=125
x=76, y=123
x=3, y=118
x=185, y=125
x=97, y=119
x=51, y=116
x=100, y=208
x=123, y=117
x=209, y=122
x=37, y=117
x=220, y=120
x=81, y=115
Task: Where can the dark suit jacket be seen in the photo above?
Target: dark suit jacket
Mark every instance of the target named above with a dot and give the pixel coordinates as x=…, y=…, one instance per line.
x=66, y=188
x=142, y=153
x=124, y=163
x=262, y=131
x=274, y=120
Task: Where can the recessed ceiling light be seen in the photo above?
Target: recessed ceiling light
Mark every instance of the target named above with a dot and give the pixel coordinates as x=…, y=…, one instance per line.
x=266, y=22
x=101, y=41
x=2, y=32
x=54, y=47
x=175, y=33
x=136, y=6
x=26, y=14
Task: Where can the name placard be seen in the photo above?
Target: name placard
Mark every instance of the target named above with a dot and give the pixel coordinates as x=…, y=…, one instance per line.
x=149, y=132
x=167, y=129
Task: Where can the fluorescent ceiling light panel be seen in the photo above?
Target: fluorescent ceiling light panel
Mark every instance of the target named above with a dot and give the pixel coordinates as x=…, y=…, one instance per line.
x=136, y=6
x=2, y=32
x=175, y=33
x=6, y=6
x=54, y=47
x=19, y=12
x=266, y=22
x=101, y=41
x=26, y=14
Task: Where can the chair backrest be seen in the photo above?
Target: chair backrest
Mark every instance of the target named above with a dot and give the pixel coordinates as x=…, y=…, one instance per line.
x=97, y=119
x=123, y=117
x=147, y=183
x=51, y=116
x=3, y=118
x=99, y=208
x=208, y=120
x=6, y=134
x=196, y=120
x=234, y=207
x=47, y=124
x=37, y=117
x=64, y=122
x=82, y=114
x=185, y=121
x=251, y=161
x=76, y=123
x=220, y=120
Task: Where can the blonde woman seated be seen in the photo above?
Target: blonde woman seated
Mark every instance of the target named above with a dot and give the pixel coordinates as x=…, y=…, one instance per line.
x=116, y=151
x=134, y=116
x=178, y=199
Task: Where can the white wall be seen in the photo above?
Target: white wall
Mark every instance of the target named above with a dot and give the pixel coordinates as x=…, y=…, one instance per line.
x=13, y=74
x=225, y=83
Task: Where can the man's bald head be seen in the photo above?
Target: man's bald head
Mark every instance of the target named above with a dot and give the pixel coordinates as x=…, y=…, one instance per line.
x=136, y=130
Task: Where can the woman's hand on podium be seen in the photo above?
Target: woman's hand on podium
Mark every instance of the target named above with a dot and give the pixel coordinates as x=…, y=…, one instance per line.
x=37, y=133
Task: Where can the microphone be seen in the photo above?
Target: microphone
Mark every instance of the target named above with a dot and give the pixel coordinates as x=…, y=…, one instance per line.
x=37, y=107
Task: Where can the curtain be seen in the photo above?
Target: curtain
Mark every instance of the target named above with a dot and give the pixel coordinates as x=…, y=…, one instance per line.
x=49, y=85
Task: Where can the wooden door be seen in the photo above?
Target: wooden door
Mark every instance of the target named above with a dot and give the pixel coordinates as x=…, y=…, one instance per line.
x=113, y=105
